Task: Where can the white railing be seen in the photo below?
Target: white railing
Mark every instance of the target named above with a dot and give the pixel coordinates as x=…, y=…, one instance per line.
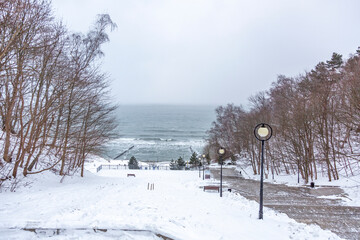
x=126, y=167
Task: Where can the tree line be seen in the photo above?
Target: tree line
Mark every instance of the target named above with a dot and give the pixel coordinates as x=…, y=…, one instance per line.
x=315, y=119
x=54, y=102
x=194, y=162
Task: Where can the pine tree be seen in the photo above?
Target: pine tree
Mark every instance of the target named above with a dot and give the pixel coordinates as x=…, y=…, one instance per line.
x=133, y=163
x=335, y=62
x=173, y=165
x=194, y=159
x=233, y=159
x=181, y=163
x=207, y=157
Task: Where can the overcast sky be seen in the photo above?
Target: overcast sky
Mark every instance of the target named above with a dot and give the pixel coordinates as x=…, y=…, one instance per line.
x=213, y=52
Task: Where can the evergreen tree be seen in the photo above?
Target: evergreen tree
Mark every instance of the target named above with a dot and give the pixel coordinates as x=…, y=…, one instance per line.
x=194, y=159
x=208, y=159
x=233, y=159
x=133, y=163
x=335, y=62
x=173, y=165
x=181, y=163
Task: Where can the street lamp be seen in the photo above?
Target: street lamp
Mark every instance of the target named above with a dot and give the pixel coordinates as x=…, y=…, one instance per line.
x=199, y=167
x=203, y=157
x=221, y=152
x=262, y=132
x=298, y=170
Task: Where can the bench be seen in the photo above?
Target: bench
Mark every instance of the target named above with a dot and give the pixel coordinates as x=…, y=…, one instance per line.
x=131, y=175
x=211, y=188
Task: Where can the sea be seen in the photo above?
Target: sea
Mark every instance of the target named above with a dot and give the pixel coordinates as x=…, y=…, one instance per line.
x=158, y=133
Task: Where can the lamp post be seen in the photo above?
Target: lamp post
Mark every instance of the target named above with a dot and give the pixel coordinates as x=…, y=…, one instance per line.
x=298, y=171
x=199, y=167
x=262, y=132
x=203, y=157
x=221, y=152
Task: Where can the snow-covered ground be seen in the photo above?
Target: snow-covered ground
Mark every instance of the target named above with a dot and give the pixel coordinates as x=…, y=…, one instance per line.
x=177, y=208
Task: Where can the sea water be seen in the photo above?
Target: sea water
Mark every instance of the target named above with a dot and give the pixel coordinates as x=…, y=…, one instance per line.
x=160, y=132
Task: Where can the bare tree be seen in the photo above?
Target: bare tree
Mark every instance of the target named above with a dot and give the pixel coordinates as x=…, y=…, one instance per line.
x=315, y=119
x=54, y=104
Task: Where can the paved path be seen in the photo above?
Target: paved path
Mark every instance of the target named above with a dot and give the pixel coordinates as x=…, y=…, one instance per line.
x=300, y=203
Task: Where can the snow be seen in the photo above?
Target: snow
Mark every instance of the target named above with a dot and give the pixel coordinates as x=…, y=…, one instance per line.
x=177, y=208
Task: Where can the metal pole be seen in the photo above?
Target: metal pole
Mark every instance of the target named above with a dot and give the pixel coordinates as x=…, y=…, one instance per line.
x=298, y=171
x=199, y=170
x=203, y=169
x=221, y=176
x=261, y=180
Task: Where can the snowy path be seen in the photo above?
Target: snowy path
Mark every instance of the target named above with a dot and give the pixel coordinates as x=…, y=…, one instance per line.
x=177, y=208
x=301, y=204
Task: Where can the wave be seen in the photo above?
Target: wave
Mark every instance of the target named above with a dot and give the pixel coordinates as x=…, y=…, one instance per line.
x=154, y=149
x=170, y=131
x=155, y=139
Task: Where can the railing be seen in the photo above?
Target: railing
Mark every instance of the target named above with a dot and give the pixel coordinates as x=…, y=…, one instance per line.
x=125, y=167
